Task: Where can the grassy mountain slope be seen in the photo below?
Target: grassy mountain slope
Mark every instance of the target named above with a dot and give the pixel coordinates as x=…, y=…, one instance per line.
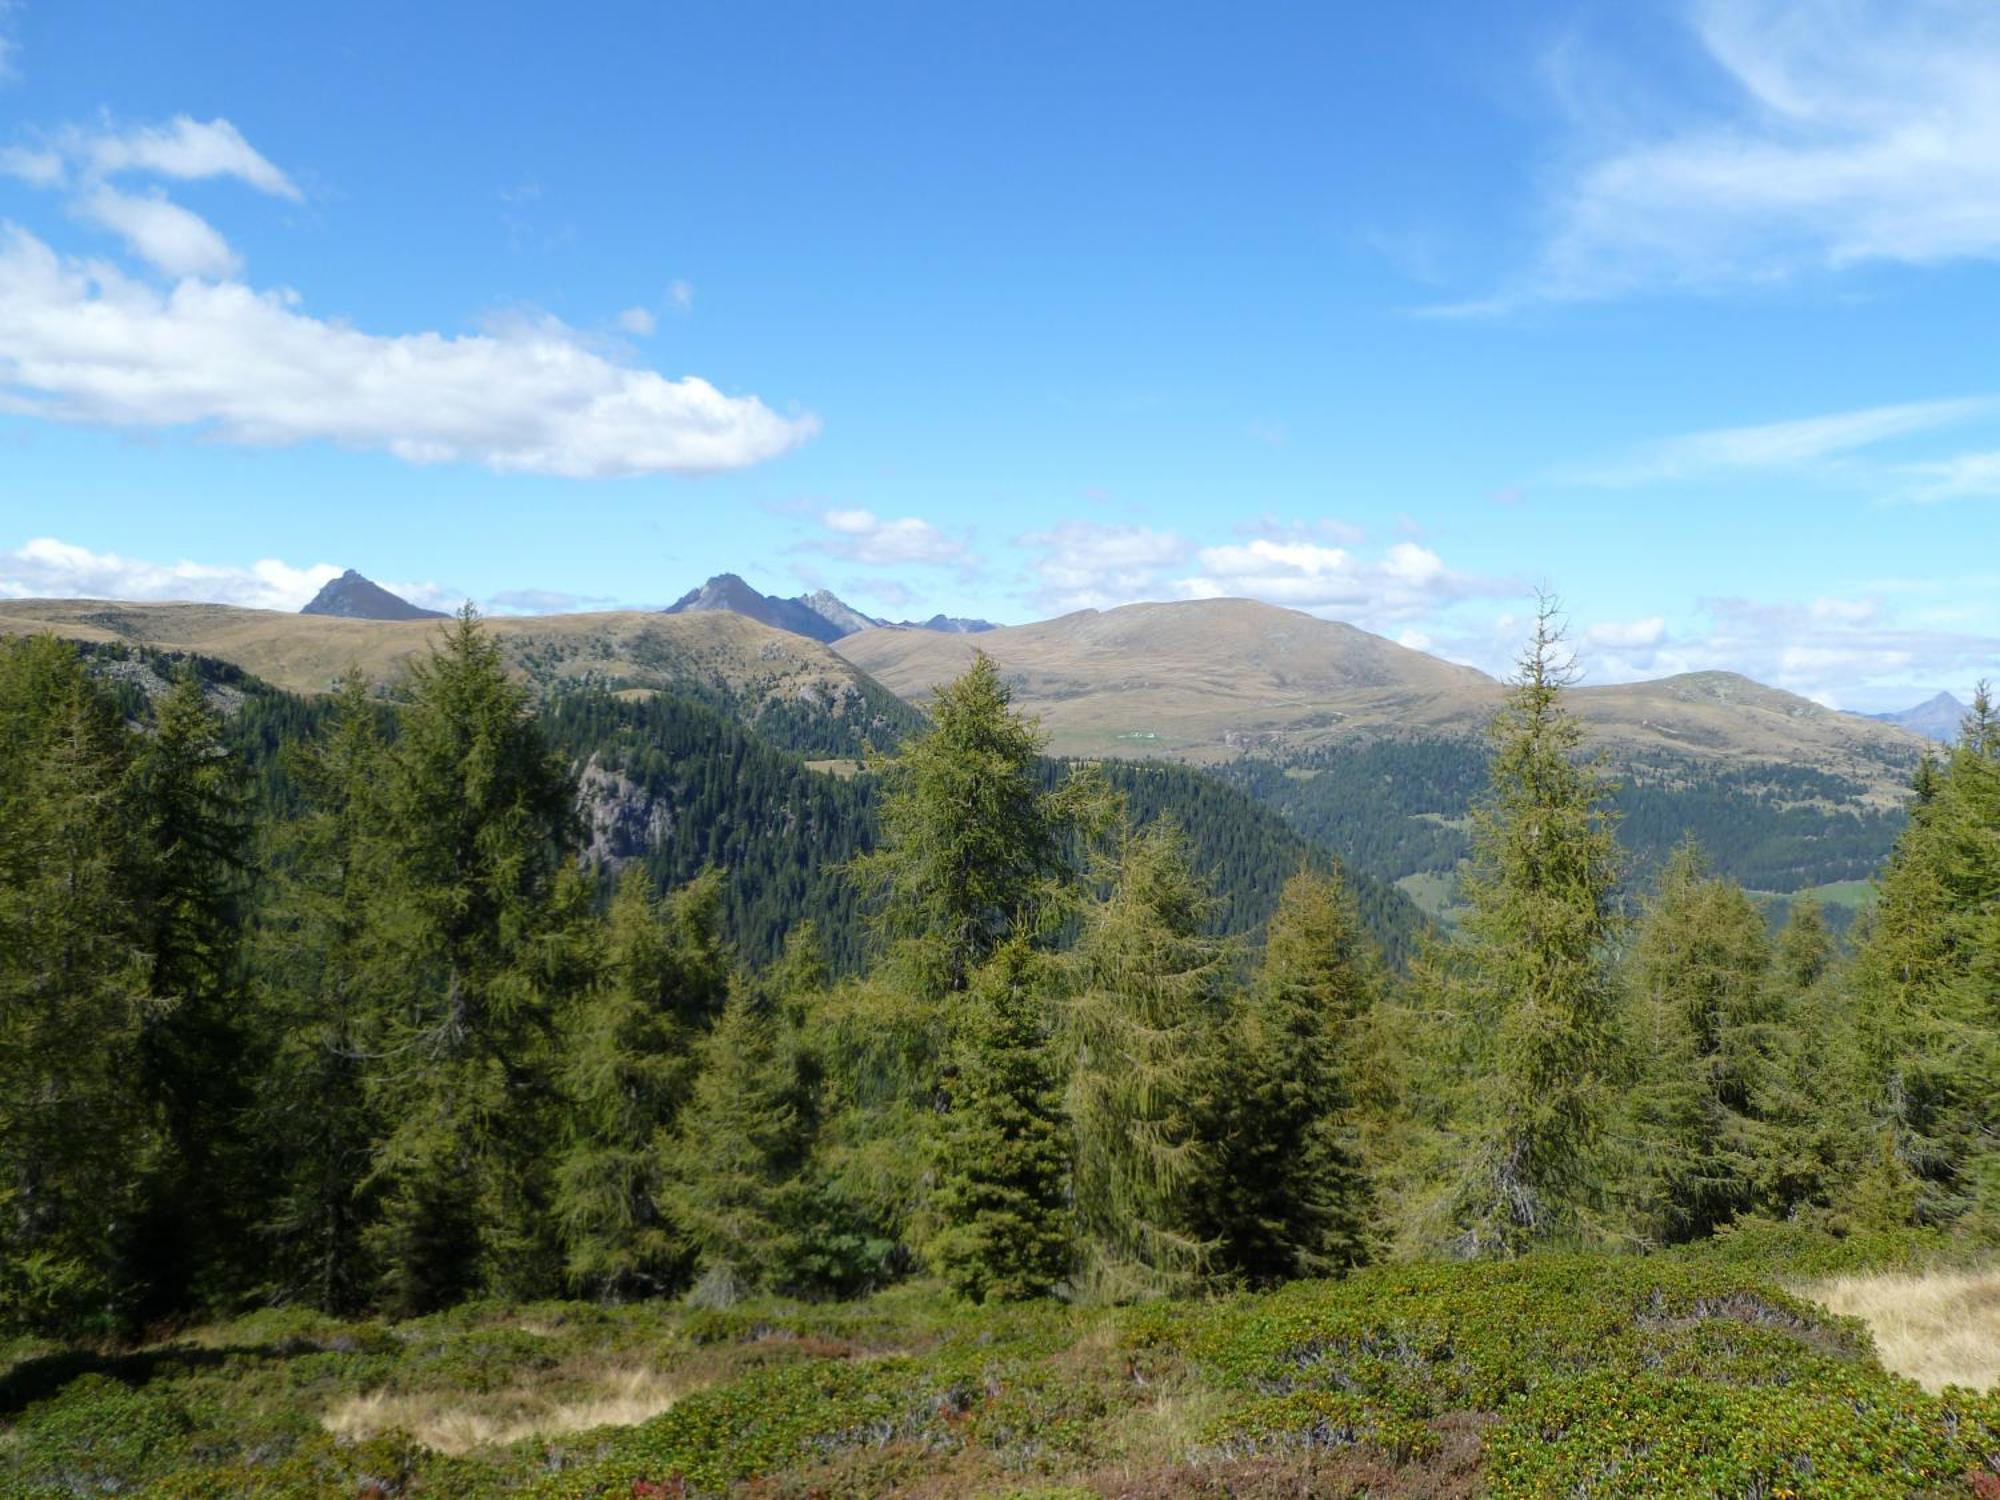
x=1209, y=680
x=1199, y=680
x=794, y=691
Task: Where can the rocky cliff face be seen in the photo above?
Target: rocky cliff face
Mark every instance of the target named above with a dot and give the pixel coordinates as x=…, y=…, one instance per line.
x=621, y=821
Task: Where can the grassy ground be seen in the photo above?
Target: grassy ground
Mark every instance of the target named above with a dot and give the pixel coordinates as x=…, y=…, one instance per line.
x=1941, y=1328
x=1690, y=1374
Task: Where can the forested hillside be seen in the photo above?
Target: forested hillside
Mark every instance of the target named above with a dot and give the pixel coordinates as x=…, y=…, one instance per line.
x=1397, y=807
x=366, y=1033
x=675, y=782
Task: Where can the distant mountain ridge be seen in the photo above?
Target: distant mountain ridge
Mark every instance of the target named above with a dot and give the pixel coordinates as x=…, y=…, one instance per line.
x=352, y=597
x=1936, y=718
x=1211, y=680
x=821, y=615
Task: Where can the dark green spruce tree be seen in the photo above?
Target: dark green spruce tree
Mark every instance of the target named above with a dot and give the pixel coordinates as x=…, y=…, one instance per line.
x=320, y=969
x=195, y=1049
x=1292, y=1195
x=972, y=853
x=627, y=1071
x=969, y=839
x=1711, y=1055
x=479, y=819
x=72, y=999
x=733, y=1167
x=1005, y=1160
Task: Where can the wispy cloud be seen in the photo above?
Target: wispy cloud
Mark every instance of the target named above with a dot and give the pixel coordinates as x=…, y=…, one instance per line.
x=49, y=568
x=1314, y=567
x=9, y=47
x=1844, y=132
x=540, y=602
x=183, y=150
x=1963, y=476
x=1788, y=445
x=84, y=162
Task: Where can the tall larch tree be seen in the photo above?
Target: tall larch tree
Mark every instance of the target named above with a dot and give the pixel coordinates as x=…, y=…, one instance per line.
x=1927, y=983
x=1144, y=984
x=1530, y=978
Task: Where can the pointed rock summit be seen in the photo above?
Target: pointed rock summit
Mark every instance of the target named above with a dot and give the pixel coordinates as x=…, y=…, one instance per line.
x=352, y=597
x=1936, y=718
x=728, y=592
x=823, y=615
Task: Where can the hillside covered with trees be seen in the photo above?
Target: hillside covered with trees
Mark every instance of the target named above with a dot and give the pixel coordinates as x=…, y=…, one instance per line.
x=346, y=1025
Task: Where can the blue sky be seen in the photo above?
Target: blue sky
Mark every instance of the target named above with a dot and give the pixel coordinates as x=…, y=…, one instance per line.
x=1674, y=308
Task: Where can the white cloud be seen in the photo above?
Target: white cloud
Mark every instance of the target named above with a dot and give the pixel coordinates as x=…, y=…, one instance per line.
x=680, y=296
x=1850, y=132
x=1086, y=565
x=1407, y=581
x=862, y=536
x=180, y=243
x=1627, y=633
x=637, y=321
x=46, y=568
x=1839, y=652
x=81, y=342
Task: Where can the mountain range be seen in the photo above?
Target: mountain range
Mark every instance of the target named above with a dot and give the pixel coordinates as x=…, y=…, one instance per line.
x=1212, y=680
x=1369, y=748
x=820, y=616
x=1936, y=718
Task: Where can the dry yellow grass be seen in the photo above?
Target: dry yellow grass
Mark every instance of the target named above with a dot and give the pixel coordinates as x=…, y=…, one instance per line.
x=452, y=1422
x=1940, y=1329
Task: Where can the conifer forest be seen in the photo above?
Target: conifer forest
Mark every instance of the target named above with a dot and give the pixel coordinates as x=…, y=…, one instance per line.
x=982, y=1156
